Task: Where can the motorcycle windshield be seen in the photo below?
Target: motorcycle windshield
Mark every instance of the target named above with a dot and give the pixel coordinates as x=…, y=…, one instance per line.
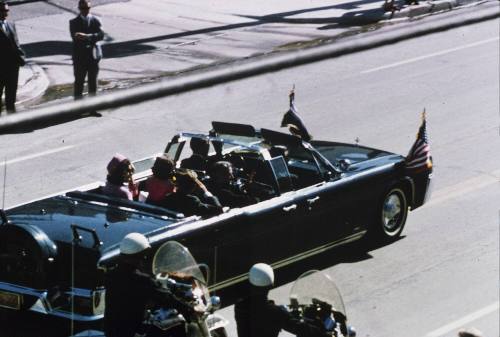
x=172, y=258
x=315, y=284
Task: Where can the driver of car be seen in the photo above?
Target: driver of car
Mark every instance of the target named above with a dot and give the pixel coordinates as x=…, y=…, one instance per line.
x=198, y=160
x=257, y=316
x=129, y=291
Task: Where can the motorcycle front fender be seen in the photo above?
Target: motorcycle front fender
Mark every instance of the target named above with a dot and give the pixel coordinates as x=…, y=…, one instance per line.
x=216, y=322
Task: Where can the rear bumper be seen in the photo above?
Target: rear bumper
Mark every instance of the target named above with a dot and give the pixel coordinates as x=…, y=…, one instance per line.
x=74, y=305
x=33, y=324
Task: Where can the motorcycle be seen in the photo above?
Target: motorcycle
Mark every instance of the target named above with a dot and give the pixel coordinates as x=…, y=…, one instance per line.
x=315, y=299
x=193, y=316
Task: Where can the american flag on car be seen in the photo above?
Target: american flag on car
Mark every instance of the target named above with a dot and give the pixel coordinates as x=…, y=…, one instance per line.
x=292, y=120
x=419, y=157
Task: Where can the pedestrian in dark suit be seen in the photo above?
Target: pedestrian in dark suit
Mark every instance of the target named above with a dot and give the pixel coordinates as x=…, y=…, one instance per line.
x=85, y=31
x=11, y=58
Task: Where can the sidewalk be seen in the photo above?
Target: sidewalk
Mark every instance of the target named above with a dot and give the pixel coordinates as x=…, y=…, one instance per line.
x=148, y=41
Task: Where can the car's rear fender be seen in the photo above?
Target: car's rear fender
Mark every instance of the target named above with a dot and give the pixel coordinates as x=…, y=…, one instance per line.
x=36, y=275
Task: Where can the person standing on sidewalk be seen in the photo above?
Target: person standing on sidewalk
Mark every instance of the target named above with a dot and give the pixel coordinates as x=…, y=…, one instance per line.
x=11, y=58
x=85, y=31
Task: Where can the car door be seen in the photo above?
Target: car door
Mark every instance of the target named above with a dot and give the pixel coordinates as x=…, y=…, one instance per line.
x=326, y=216
x=256, y=233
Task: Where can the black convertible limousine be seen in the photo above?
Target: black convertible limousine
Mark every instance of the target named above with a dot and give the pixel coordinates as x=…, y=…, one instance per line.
x=321, y=194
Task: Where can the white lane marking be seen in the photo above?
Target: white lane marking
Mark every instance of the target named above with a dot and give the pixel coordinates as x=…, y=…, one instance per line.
x=464, y=320
x=464, y=187
x=36, y=155
x=423, y=57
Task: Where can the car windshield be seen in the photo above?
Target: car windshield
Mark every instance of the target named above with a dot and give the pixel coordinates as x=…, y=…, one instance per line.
x=354, y=153
x=248, y=141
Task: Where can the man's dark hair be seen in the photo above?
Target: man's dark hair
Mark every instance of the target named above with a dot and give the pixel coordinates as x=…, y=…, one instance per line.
x=3, y=4
x=199, y=146
x=221, y=171
x=83, y=3
x=163, y=167
x=222, y=165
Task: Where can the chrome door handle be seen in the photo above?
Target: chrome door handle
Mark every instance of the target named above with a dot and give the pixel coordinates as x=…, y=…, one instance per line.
x=312, y=200
x=290, y=208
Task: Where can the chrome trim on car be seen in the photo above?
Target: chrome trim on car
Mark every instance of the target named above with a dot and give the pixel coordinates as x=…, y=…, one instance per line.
x=290, y=260
x=21, y=290
x=318, y=250
x=43, y=305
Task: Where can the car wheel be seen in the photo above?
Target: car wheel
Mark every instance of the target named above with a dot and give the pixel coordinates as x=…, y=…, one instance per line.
x=392, y=214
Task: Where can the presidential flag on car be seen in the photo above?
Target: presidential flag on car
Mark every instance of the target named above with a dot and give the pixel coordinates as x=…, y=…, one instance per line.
x=419, y=158
x=292, y=120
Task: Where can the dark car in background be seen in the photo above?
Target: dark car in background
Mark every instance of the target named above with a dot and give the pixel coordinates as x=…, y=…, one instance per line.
x=319, y=195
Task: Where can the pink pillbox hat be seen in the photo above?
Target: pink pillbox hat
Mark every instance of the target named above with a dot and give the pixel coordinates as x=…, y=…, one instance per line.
x=115, y=162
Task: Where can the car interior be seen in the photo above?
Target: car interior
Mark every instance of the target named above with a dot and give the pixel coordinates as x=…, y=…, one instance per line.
x=275, y=162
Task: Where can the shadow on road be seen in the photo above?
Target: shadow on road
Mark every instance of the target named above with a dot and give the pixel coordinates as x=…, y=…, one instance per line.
x=350, y=253
x=47, y=123
x=138, y=46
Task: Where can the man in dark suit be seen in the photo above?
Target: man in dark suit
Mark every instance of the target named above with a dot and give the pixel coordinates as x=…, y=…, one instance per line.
x=191, y=197
x=198, y=160
x=85, y=31
x=11, y=58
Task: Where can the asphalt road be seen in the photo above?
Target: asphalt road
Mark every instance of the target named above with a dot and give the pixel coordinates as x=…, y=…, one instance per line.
x=444, y=273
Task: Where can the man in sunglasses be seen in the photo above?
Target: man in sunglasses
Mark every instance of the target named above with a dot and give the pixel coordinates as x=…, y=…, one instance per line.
x=85, y=31
x=11, y=58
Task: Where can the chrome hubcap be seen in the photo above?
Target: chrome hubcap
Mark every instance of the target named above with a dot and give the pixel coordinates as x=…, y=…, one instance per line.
x=391, y=212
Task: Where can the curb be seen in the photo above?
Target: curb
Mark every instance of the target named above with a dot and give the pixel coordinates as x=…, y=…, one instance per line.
x=428, y=8
x=272, y=63
x=35, y=83
x=431, y=6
